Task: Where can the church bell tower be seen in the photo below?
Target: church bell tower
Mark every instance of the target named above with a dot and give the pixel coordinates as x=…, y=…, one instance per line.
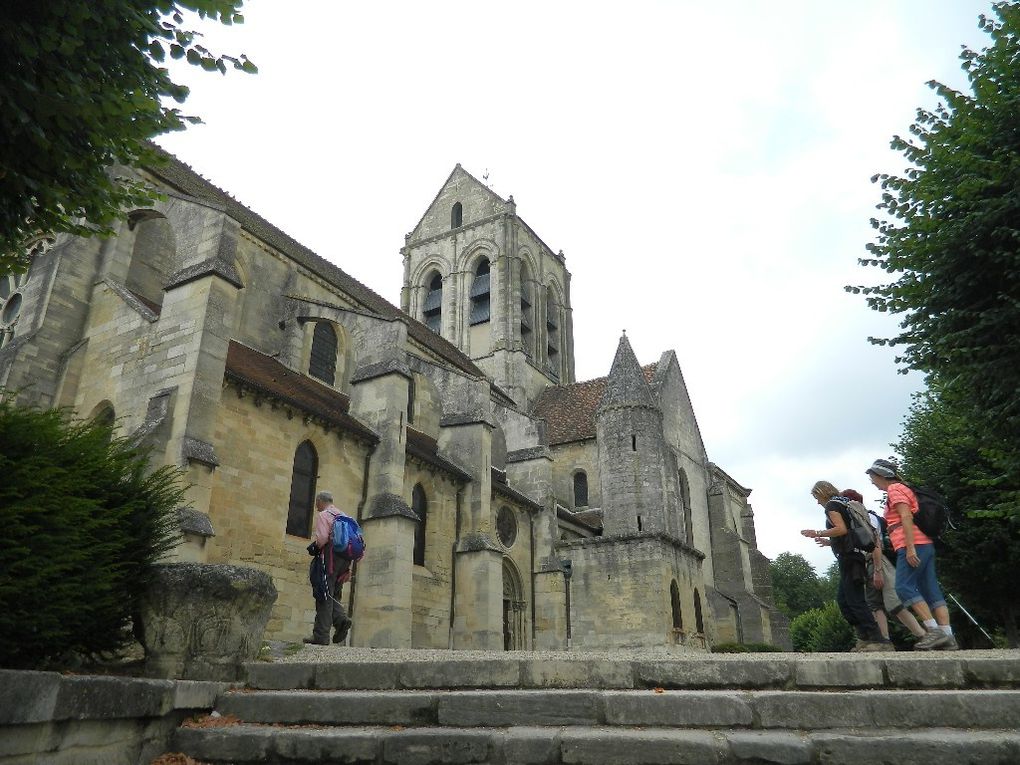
x=479, y=276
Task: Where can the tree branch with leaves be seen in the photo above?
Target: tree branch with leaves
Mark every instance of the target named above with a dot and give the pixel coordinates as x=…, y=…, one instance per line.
x=83, y=88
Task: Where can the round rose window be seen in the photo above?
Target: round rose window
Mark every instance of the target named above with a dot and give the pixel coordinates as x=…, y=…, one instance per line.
x=506, y=526
x=10, y=304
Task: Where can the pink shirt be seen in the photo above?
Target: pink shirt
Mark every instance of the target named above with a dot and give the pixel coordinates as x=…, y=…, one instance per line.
x=324, y=524
x=898, y=494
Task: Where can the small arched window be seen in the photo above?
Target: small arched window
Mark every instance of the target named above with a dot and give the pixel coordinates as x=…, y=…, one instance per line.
x=322, y=363
x=480, y=294
x=699, y=622
x=420, y=506
x=457, y=215
x=433, y=310
x=674, y=599
x=580, y=489
x=552, y=327
x=302, y=490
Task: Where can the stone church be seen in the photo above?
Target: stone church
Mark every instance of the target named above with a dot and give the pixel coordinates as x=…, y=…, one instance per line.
x=505, y=505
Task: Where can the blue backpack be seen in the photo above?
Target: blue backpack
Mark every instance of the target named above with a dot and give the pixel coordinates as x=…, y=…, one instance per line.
x=348, y=541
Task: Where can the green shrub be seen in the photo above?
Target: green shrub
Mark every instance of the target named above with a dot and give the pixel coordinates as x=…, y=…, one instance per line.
x=821, y=629
x=84, y=519
x=745, y=648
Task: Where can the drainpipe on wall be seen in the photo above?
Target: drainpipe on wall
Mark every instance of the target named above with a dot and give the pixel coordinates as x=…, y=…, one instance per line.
x=453, y=564
x=531, y=533
x=568, y=570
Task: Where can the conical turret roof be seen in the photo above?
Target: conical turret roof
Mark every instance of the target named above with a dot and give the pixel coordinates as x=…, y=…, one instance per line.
x=626, y=384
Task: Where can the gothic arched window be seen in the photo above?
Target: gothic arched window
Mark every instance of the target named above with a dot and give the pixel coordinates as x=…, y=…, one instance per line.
x=674, y=599
x=420, y=506
x=580, y=489
x=322, y=363
x=457, y=215
x=433, y=309
x=480, y=293
x=302, y=490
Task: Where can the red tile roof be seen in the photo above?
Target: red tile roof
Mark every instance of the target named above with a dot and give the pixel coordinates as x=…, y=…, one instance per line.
x=269, y=377
x=569, y=410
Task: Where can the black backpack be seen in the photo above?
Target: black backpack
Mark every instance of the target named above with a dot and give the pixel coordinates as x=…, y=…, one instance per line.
x=932, y=516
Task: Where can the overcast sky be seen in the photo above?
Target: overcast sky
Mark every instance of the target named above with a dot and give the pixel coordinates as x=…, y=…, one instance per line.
x=704, y=166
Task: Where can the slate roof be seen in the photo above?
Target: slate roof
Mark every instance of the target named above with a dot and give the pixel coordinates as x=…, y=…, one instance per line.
x=502, y=487
x=569, y=410
x=268, y=376
x=426, y=449
x=183, y=177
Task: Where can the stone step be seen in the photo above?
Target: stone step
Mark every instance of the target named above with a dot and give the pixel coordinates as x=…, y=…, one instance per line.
x=342, y=671
x=802, y=710
x=595, y=746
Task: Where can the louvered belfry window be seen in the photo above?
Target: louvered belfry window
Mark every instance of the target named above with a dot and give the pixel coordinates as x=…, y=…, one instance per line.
x=525, y=314
x=457, y=215
x=433, y=309
x=480, y=294
x=552, y=325
x=302, y=490
x=323, y=361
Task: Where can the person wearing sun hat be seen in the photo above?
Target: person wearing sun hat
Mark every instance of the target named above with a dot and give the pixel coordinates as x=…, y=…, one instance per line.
x=916, y=583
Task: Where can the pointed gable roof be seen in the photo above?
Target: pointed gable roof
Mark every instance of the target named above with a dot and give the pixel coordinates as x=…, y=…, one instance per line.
x=458, y=183
x=626, y=384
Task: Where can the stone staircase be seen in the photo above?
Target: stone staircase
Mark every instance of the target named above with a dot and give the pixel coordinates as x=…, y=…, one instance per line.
x=371, y=707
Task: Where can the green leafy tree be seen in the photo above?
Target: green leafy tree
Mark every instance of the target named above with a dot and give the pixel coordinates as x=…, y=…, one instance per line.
x=821, y=629
x=830, y=581
x=83, y=87
x=795, y=586
x=981, y=552
x=84, y=522
x=951, y=235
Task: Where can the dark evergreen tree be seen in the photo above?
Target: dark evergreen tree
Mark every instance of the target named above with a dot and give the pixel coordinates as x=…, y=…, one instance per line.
x=84, y=521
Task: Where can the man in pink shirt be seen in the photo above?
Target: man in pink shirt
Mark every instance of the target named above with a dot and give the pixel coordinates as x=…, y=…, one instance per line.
x=916, y=583
x=328, y=611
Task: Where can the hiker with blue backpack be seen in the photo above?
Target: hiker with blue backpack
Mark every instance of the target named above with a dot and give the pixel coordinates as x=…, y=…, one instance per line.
x=916, y=583
x=330, y=568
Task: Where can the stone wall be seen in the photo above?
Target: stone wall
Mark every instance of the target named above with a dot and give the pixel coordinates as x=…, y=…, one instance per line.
x=51, y=719
x=251, y=494
x=620, y=590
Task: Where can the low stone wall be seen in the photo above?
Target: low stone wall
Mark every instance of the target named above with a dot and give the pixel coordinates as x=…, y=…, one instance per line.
x=51, y=719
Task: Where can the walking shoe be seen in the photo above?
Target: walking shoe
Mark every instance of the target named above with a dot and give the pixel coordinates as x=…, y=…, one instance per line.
x=950, y=645
x=932, y=640
x=872, y=646
x=313, y=641
x=341, y=633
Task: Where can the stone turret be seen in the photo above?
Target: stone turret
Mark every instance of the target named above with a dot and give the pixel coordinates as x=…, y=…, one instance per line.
x=632, y=453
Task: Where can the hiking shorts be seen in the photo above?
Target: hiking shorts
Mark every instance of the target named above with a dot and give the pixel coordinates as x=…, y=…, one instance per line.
x=885, y=600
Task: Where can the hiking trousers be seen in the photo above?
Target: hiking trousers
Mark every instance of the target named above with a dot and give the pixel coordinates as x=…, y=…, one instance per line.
x=851, y=601
x=329, y=612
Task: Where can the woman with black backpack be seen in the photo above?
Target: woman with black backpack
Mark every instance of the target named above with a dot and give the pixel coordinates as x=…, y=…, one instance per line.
x=850, y=593
x=916, y=583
